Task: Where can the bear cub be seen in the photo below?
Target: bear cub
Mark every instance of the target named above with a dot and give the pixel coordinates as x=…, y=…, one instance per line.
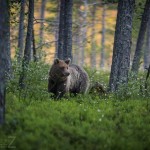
x=67, y=78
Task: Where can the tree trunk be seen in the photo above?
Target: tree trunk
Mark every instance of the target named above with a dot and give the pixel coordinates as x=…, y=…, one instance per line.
x=4, y=54
x=33, y=47
x=27, y=51
x=76, y=40
x=56, y=28
x=21, y=31
x=83, y=32
x=42, y=20
x=93, y=48
x=61, y=30
x=76, y=48
x=141, y=35
x=67, y=50
x=147, y=48
x=102, y=61
x=65, y=30
x=122, y=45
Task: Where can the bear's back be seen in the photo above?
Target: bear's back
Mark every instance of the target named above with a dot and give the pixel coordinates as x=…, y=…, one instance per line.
x=79, y=79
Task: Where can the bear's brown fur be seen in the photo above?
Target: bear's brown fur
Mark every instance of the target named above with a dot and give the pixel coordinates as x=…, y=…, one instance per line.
x=67, y=78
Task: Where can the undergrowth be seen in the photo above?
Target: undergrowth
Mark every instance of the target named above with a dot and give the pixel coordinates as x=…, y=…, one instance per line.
x=35, y=121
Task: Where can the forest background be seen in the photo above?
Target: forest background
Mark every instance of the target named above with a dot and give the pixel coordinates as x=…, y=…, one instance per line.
x=92, y=20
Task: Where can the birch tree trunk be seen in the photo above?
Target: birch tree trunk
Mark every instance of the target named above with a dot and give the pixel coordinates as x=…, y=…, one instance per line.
x=4, y=54
x=76, y=48
x=102, y=61
x=141, y=35
x=61, y=30
x=56, y=28
x=42, y=20
x=21, y=31
x=76, y=39
x=122, y=45
x=83, y=32
x=93, y=48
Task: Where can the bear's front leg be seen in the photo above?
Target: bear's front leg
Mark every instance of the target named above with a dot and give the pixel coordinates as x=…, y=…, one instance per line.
x=61, y=90
x=51, y=85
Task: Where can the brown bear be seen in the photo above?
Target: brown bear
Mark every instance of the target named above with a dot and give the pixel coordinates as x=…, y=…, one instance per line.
x=67, y=78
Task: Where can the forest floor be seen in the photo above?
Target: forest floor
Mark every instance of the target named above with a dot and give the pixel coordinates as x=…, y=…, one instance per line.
x=82, y=122
x=77, y=123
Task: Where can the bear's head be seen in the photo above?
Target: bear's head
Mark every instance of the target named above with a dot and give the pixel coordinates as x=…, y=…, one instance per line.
x=60, y=69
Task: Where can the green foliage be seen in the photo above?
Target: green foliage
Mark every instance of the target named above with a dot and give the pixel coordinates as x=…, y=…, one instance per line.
x=82, y=122
x=35, y=82
x=98, y=76
x=134, y=89
x=78, y=124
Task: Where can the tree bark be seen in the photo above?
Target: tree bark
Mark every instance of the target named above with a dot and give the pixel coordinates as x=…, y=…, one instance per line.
x=42, y=19
x=61, y=30
x=4, y=53
x=33, y=47
x=147, y=48
x=83, y=32
x=93, y=48
x=65, y=30
x=76, y=48
x=21, y=31
x=141, y=35
x=102, y=61
x=56, y=28
x=67, y=50
x=122, y=45
x=76, y=39
x=27, y=51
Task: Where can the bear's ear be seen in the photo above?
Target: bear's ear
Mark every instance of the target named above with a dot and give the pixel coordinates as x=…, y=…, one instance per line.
x=56, y=60
x=67, y=61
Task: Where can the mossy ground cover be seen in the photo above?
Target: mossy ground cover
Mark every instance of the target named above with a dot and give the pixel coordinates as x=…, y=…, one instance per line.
x=88, y=122
x=78, y=123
